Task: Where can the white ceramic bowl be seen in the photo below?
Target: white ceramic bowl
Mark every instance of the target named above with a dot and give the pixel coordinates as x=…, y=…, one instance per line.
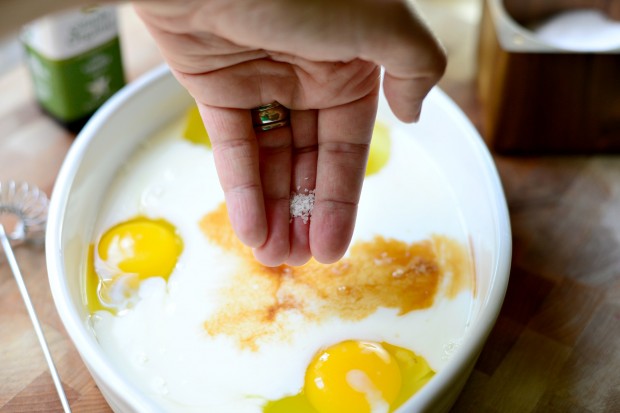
x=146, y=105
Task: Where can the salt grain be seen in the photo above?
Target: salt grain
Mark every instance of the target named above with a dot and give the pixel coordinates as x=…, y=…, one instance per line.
x=301, y=205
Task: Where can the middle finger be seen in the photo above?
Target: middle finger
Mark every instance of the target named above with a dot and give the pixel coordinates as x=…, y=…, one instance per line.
x=304, y=125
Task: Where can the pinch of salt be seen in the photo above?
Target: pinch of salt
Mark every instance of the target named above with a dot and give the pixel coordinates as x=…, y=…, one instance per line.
x=301, y=205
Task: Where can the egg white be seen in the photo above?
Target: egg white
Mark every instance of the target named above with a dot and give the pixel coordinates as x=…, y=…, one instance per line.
x=160, y=343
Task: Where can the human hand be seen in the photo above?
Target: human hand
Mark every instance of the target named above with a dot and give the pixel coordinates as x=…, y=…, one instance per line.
x=319, y=58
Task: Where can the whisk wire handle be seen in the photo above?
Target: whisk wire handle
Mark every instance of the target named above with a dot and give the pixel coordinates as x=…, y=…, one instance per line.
x=29, y=205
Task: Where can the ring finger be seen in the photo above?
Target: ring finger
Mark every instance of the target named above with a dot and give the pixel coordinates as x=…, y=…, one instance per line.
x=275, y=172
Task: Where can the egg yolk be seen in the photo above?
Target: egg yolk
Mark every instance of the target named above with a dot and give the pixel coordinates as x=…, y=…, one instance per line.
x=195, y=129
x=125, y=255
x=141, y=246
x=380, y=146
x=353, y=376
x=357, y=377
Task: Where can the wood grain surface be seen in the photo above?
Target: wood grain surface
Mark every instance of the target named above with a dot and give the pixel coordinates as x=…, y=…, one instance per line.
x=556, y=344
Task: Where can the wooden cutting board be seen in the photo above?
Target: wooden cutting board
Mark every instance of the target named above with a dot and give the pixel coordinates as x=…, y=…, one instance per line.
x=556, y=344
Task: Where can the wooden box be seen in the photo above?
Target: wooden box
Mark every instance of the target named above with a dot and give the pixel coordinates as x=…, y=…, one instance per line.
x=538, y=98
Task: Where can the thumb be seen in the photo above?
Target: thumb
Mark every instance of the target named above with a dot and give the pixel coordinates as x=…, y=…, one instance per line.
x=413, y=58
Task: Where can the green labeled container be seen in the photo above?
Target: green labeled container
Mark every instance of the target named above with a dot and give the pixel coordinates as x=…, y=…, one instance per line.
x=75, y=62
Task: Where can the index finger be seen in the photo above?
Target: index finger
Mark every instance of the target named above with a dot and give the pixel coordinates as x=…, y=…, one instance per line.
x=235, y=151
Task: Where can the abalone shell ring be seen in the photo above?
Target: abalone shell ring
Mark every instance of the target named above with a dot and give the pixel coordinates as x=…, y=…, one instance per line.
x=270, y=116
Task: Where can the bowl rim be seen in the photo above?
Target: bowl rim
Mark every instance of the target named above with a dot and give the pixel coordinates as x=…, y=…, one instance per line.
x=469, y=350
x=93, y=355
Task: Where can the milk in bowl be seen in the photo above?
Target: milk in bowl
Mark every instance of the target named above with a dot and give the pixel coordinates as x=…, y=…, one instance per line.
x=183, y=310
x=170, y=312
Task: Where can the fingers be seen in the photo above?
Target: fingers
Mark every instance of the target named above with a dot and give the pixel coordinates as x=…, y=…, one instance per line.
x=344, y=135
x=236, y=159
x=258, y=171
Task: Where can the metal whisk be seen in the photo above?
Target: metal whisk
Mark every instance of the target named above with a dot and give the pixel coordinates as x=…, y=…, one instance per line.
x=28, y=205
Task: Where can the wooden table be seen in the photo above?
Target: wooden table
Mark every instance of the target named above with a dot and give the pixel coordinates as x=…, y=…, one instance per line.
x=556, y=344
